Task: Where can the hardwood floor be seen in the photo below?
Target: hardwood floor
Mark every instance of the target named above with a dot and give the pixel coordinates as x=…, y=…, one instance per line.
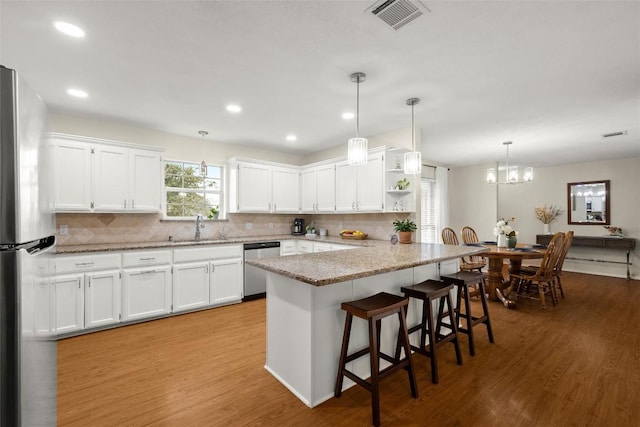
x=574, y=364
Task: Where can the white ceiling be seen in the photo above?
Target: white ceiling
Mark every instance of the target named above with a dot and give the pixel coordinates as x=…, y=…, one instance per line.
x=552, y=76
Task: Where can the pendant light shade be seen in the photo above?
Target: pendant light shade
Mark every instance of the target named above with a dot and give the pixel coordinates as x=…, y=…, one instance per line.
x=512, y=174
x=413, y=159
x=357, y=148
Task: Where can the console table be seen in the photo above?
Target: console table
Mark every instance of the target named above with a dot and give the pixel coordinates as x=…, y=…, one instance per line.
x=604, y=242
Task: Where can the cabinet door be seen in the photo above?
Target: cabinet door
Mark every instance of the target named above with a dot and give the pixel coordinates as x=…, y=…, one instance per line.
x=226, y=281
x=146, y=292
x=346, y=188
x=190, y=285
x=308, y=190
x=254, y=187
x=102, y=299
x=69, y=303
x=72, y=175
x=304, y=247
x=146, y=180
x=371, y=184
x=322, y=247
x=110, y=173
x=326, y=188
x=285, y=189
x=43, y=321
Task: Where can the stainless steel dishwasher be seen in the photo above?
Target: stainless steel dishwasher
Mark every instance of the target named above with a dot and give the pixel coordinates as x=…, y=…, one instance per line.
x=255, y=279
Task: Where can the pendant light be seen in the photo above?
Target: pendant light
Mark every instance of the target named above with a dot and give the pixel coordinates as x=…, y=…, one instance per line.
x=511, y=172
x=357, y=149
x=413, y=159
x=203, y=164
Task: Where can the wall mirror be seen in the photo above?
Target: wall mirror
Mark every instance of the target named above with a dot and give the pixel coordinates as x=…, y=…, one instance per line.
x=588, y=203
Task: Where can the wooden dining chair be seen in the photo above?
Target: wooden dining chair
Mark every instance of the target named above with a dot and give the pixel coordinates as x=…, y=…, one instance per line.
x=542, y=280
x=557, y=270
x=469, y=236
x=449, y=237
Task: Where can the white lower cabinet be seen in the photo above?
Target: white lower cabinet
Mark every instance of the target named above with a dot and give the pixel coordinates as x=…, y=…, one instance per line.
x=190, y=285
x=225, y=281
x=102, y=298
x=68, y=303
x=146, y=292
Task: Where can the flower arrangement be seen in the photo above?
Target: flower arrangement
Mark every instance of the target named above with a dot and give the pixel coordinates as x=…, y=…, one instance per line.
x=503, y=227
x=547, y=214
x=613, y=231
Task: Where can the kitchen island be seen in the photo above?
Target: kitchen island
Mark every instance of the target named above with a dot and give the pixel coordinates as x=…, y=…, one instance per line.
x=304, y=319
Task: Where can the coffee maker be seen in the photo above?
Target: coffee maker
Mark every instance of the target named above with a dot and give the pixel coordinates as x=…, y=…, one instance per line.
x=298, y=226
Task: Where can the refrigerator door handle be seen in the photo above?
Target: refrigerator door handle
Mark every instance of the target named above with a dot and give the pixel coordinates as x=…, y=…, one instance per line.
x=32, y=247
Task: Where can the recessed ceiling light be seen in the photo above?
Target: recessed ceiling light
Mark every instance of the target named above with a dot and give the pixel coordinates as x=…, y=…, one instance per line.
x=69, y=29
x=77, y=93
x=291, y=138
x=348, y=116
x=233, y=108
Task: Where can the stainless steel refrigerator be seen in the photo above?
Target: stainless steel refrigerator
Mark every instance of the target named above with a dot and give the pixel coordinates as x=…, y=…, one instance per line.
x=27, y=227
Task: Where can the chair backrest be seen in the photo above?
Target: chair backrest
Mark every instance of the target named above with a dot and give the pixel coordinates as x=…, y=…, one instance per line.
x=568, y=238
x=449, y=236
x=469, y=235
x=551, y=255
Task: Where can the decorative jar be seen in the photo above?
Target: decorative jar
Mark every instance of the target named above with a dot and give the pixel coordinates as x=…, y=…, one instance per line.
x=511, y=241
x=502, y=240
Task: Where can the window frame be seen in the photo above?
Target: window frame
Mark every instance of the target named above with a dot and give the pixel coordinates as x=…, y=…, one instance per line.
x=165, y=190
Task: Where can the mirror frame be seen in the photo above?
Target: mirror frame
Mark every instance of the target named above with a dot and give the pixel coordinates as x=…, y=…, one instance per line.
x=607, y=204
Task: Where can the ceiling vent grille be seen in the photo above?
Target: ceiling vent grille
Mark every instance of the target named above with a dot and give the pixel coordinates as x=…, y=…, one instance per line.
x=397, y=13
x=609, y=135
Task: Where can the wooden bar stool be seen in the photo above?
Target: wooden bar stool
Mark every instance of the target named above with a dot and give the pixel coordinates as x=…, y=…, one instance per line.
x=463, y=280
x=430, y=291
x=373, y=309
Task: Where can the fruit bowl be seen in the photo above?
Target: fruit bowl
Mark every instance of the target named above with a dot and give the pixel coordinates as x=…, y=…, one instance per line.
x=353, y=235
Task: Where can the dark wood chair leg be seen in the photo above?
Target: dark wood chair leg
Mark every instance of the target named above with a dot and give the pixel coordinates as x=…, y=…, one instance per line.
x=343, y=354
x=374, y=340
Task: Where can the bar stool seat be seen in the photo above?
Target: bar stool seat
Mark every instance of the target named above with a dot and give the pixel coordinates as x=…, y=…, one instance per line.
x=374, y=309
x=463, y=280
x=430, y=291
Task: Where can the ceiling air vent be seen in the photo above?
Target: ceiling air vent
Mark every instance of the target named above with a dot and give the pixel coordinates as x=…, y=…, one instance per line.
x=609, y=135
x=397, y=13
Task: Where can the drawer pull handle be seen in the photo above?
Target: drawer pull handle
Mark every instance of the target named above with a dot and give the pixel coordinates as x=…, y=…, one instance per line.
x=83, y=264
x=147, y=259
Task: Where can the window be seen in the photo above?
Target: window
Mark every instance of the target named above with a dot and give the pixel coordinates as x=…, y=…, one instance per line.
x=190, y=191
x=428, y=228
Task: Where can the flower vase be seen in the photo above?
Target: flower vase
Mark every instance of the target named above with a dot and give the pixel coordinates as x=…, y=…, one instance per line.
x=511, y=241
x=502, y=240
x=546, y=229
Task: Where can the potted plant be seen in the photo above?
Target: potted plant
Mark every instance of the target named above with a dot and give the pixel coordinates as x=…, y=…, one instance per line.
x=213, y=213
x=404, y=227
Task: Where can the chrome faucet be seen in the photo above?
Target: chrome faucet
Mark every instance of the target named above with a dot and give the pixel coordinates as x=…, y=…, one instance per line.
x=199, y=225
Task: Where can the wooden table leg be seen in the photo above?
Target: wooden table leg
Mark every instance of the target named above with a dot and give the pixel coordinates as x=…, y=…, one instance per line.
x=496, y=282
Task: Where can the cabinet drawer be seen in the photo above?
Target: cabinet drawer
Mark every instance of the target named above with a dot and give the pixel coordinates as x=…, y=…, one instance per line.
x=79, y=263
x=207, y=253
x=287, y=247
x=142, y=258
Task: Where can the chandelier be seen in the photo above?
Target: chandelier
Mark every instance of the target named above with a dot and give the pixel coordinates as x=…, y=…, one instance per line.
x=512, y=175
x=357, y=150
x=413, y=159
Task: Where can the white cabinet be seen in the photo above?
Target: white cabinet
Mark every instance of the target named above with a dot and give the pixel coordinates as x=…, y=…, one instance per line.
x=288, y=247
x=102, y=300
x=146, y=284
x=207, y=275
x=68, y=302
x=319, y=188
x=360, y=188
x=72, y=176
x=397, y=200
x=94, y=175
x=258, y=187
x=226, y=277
x=304, y=247
x=190, y=285
x=322, y=247
x=286, y=189
x=86, y=291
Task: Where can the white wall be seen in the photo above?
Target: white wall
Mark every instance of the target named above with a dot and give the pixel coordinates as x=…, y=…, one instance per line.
x=478, y=204
x=177, y=147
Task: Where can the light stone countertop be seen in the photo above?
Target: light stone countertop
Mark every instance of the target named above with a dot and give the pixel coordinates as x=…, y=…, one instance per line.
x=127, y=246
x=325, y=268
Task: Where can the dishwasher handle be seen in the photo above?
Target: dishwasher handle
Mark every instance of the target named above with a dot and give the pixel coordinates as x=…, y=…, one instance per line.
x=263, y=245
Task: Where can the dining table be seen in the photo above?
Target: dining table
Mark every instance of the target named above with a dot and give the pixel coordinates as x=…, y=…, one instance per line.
x=499, y=285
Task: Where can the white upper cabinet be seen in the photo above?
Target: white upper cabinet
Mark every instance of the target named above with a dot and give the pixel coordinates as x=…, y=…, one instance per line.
x=72, y=179
x=106, y=176
x=319, y=188
x=259, y=187
x=360, y=188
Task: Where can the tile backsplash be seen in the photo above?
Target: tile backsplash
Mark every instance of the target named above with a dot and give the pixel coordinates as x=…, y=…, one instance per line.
x=92, y=228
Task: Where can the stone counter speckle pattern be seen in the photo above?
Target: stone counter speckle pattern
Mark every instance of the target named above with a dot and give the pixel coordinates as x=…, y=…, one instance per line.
x=325, y=268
